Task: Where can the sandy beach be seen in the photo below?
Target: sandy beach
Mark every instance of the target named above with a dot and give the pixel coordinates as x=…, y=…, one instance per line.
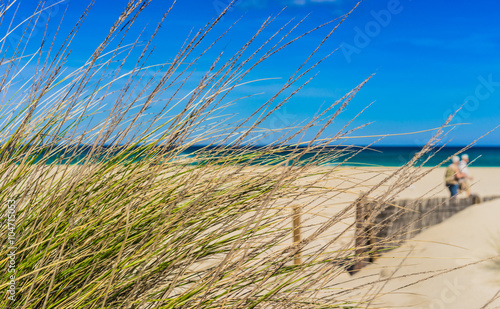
x=466, y=238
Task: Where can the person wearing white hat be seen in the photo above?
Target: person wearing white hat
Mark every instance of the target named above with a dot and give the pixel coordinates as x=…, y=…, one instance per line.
x=464, y=182
x=452, y=176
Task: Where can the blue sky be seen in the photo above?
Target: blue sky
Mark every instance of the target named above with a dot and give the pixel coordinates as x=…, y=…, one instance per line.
x=429, y=57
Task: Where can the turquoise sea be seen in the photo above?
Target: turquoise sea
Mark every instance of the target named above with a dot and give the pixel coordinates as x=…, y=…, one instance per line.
x=348, y=156
x=396, y=156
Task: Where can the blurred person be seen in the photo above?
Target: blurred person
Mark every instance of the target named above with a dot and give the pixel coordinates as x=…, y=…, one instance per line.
x=464, y=182
x=453, y=176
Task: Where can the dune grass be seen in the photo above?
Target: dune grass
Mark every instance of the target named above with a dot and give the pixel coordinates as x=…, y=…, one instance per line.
x=134, y=223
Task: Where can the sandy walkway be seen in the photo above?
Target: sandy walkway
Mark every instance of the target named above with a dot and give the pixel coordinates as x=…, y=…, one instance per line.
x=459, y=243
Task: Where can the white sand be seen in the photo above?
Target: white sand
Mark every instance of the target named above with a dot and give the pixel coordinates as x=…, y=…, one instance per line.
x=466, y=238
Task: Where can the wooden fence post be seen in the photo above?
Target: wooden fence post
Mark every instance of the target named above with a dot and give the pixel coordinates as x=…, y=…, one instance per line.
x=362, y=237
x=297, y=236
x=370, y=232
x=476, y=199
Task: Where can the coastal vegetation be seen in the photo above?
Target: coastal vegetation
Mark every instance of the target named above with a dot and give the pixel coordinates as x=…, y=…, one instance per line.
x=130, y=220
